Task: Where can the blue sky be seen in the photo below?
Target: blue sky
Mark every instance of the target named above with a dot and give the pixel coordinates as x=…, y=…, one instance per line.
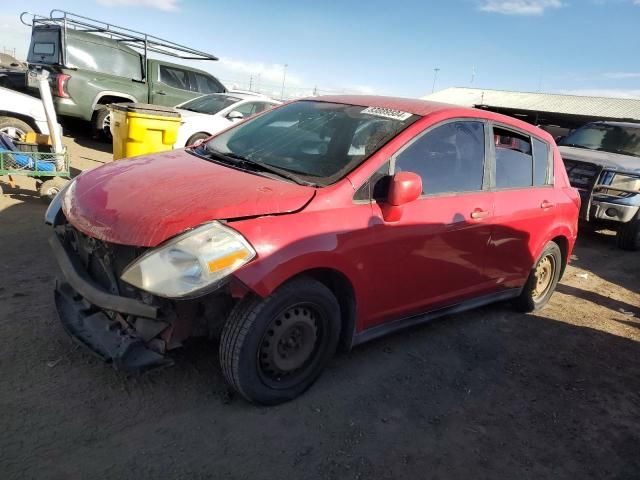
x=385, y=47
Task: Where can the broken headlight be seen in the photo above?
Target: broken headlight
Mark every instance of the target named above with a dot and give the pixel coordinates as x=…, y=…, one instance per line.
x=192, y=263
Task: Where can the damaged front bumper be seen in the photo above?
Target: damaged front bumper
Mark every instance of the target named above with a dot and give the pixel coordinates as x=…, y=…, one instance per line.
x=96, y=318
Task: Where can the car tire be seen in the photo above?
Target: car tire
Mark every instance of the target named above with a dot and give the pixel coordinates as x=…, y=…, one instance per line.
x=273, y=349
x=50, y=188
x=542, y=280
x=101, y=123
x=14, y=127
x=628, y=236
x=195, y=137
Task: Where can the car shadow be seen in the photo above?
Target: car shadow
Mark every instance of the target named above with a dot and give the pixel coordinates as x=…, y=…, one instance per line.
x=599, y=299
x=599, y=255
x=82, y=134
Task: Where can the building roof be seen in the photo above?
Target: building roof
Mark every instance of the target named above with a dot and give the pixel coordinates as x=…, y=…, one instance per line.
x=602, y=107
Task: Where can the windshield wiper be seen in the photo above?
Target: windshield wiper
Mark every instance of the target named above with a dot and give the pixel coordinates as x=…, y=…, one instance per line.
x=247, y=162
x=270, y=168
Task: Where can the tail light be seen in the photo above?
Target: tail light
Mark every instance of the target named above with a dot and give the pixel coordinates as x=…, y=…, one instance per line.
x=60, y=89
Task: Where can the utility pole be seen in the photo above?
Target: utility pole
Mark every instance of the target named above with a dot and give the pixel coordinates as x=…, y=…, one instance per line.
x=250, y=82
x=473, y=74
x=435, y=77
x=284, y=76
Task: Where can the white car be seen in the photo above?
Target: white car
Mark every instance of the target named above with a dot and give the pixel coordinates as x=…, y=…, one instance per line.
x=20, y=113
x=207, y=115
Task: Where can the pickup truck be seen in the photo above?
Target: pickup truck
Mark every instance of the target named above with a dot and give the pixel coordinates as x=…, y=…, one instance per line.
x=89, y=70
x=602, y=160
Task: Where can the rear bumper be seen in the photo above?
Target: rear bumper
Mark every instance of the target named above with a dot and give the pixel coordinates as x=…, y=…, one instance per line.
x=89, y=314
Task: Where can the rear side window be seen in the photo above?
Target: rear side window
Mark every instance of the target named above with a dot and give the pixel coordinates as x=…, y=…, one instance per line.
x=541, y=163
x=514, y=159
x=97, y=57
x=174, y=77
x=206, y=84
x=449, y=158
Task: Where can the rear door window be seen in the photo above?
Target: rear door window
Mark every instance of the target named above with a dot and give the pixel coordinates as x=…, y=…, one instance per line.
x=174, y=77
x=541, y=163
x=449, y=158
x=203, y=84
x=514, y=159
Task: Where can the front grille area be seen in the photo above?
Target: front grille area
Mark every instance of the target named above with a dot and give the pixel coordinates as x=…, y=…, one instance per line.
x=582, y=176
x=103, y=261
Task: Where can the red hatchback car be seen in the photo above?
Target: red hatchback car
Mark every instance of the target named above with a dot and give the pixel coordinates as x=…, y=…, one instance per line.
x=324, y=222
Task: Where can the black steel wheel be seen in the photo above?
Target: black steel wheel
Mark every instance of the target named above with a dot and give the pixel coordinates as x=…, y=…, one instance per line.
x=542, y=280
x=273, y=349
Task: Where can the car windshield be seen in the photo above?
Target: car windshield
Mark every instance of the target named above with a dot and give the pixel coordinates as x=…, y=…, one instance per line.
x=609, y=138
x=318, y=141
x=210, y=104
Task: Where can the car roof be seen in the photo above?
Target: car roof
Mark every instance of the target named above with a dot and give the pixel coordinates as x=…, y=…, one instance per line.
x=245, y=95
x=409, y=105
x=425, y=108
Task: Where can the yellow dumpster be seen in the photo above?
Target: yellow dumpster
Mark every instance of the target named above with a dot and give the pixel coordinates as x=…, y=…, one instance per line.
x=140, y=128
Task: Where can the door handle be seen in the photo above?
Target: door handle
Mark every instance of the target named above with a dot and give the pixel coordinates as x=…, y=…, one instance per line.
x=546, y=205
x=160, y=93
x=478, y=214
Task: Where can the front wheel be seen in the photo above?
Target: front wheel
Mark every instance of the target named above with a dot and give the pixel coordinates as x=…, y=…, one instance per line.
x=273, y=349
x=628, y=236
x=542, y=280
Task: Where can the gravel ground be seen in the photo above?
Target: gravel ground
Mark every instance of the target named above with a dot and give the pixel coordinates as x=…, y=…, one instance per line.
x=486, y=394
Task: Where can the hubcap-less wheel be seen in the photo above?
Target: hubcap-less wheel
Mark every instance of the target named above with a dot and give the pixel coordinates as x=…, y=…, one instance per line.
x=544, y=274
x=289, y=345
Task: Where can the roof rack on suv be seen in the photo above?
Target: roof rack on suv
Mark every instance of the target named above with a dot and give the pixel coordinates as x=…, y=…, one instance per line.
x=138, y=40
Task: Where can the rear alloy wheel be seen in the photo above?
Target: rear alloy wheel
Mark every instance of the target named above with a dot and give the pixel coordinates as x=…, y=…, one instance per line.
x=102, y=123
x=14, y=128
x=542, y=280
x=628, y=236
x=273, y=349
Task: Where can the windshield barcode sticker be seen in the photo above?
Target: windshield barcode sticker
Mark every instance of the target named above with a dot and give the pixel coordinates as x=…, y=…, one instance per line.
x=386, y=113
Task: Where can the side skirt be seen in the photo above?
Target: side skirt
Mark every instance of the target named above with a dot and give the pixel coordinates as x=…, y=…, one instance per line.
x=397, y=325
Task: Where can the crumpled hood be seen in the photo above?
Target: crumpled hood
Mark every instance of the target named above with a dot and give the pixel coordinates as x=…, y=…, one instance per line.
x=146, y=200
x=613, y=161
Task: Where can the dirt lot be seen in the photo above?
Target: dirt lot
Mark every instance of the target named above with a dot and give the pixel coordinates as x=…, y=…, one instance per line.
x=486, y=394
